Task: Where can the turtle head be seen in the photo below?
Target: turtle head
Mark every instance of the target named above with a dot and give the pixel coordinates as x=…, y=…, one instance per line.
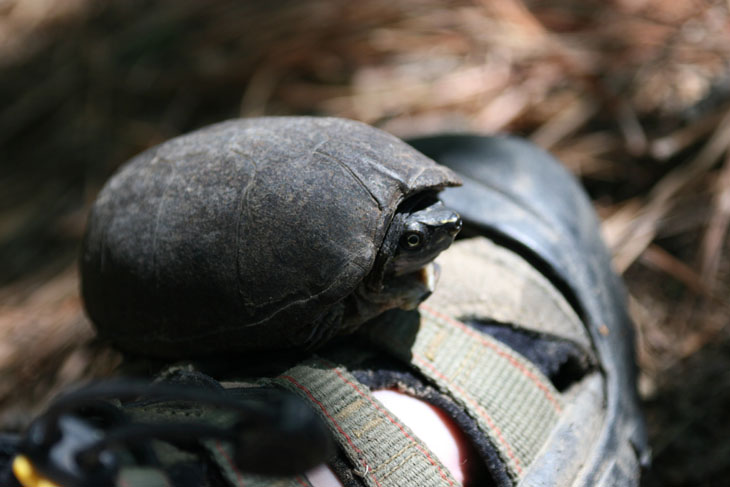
x=418, y=234
x=421, y=229
x=404, y=273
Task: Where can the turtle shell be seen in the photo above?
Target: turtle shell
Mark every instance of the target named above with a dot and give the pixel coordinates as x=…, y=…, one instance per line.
x=238, y=236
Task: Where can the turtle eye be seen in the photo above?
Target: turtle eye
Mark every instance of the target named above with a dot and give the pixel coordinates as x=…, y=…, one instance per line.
x=412, y=240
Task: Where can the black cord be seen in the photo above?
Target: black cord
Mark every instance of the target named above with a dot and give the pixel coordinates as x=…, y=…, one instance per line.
x=272, y=432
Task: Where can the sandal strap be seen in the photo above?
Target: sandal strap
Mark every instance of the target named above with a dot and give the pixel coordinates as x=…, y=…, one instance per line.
x=512, y=402
x=499, y=285
x=384, y=450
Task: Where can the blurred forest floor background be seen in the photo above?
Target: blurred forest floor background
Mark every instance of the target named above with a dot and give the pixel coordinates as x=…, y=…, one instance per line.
x=632, y=95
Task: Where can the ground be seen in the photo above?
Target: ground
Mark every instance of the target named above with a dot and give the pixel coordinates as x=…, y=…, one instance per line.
x=632, y=95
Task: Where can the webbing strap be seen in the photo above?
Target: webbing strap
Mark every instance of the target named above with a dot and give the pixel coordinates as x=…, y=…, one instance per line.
x=482, y=280
x=514, y=405
x=386, y=452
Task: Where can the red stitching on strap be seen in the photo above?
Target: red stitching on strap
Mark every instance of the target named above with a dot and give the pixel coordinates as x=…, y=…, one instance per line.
x=301, y=481
x=329, y=416
x=230, y=462
x=392, y=420
x=490, y=422
x=526, y=372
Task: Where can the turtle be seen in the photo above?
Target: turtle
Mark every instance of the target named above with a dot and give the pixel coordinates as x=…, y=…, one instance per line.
x=262, y=234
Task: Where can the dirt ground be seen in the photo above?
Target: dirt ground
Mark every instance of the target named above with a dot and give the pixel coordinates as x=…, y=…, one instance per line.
x=632, y=95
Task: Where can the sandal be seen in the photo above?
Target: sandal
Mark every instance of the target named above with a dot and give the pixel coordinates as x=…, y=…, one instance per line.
x=525, y=349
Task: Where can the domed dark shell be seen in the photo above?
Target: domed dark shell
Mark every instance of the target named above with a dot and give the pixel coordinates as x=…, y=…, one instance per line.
x=236, y=236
